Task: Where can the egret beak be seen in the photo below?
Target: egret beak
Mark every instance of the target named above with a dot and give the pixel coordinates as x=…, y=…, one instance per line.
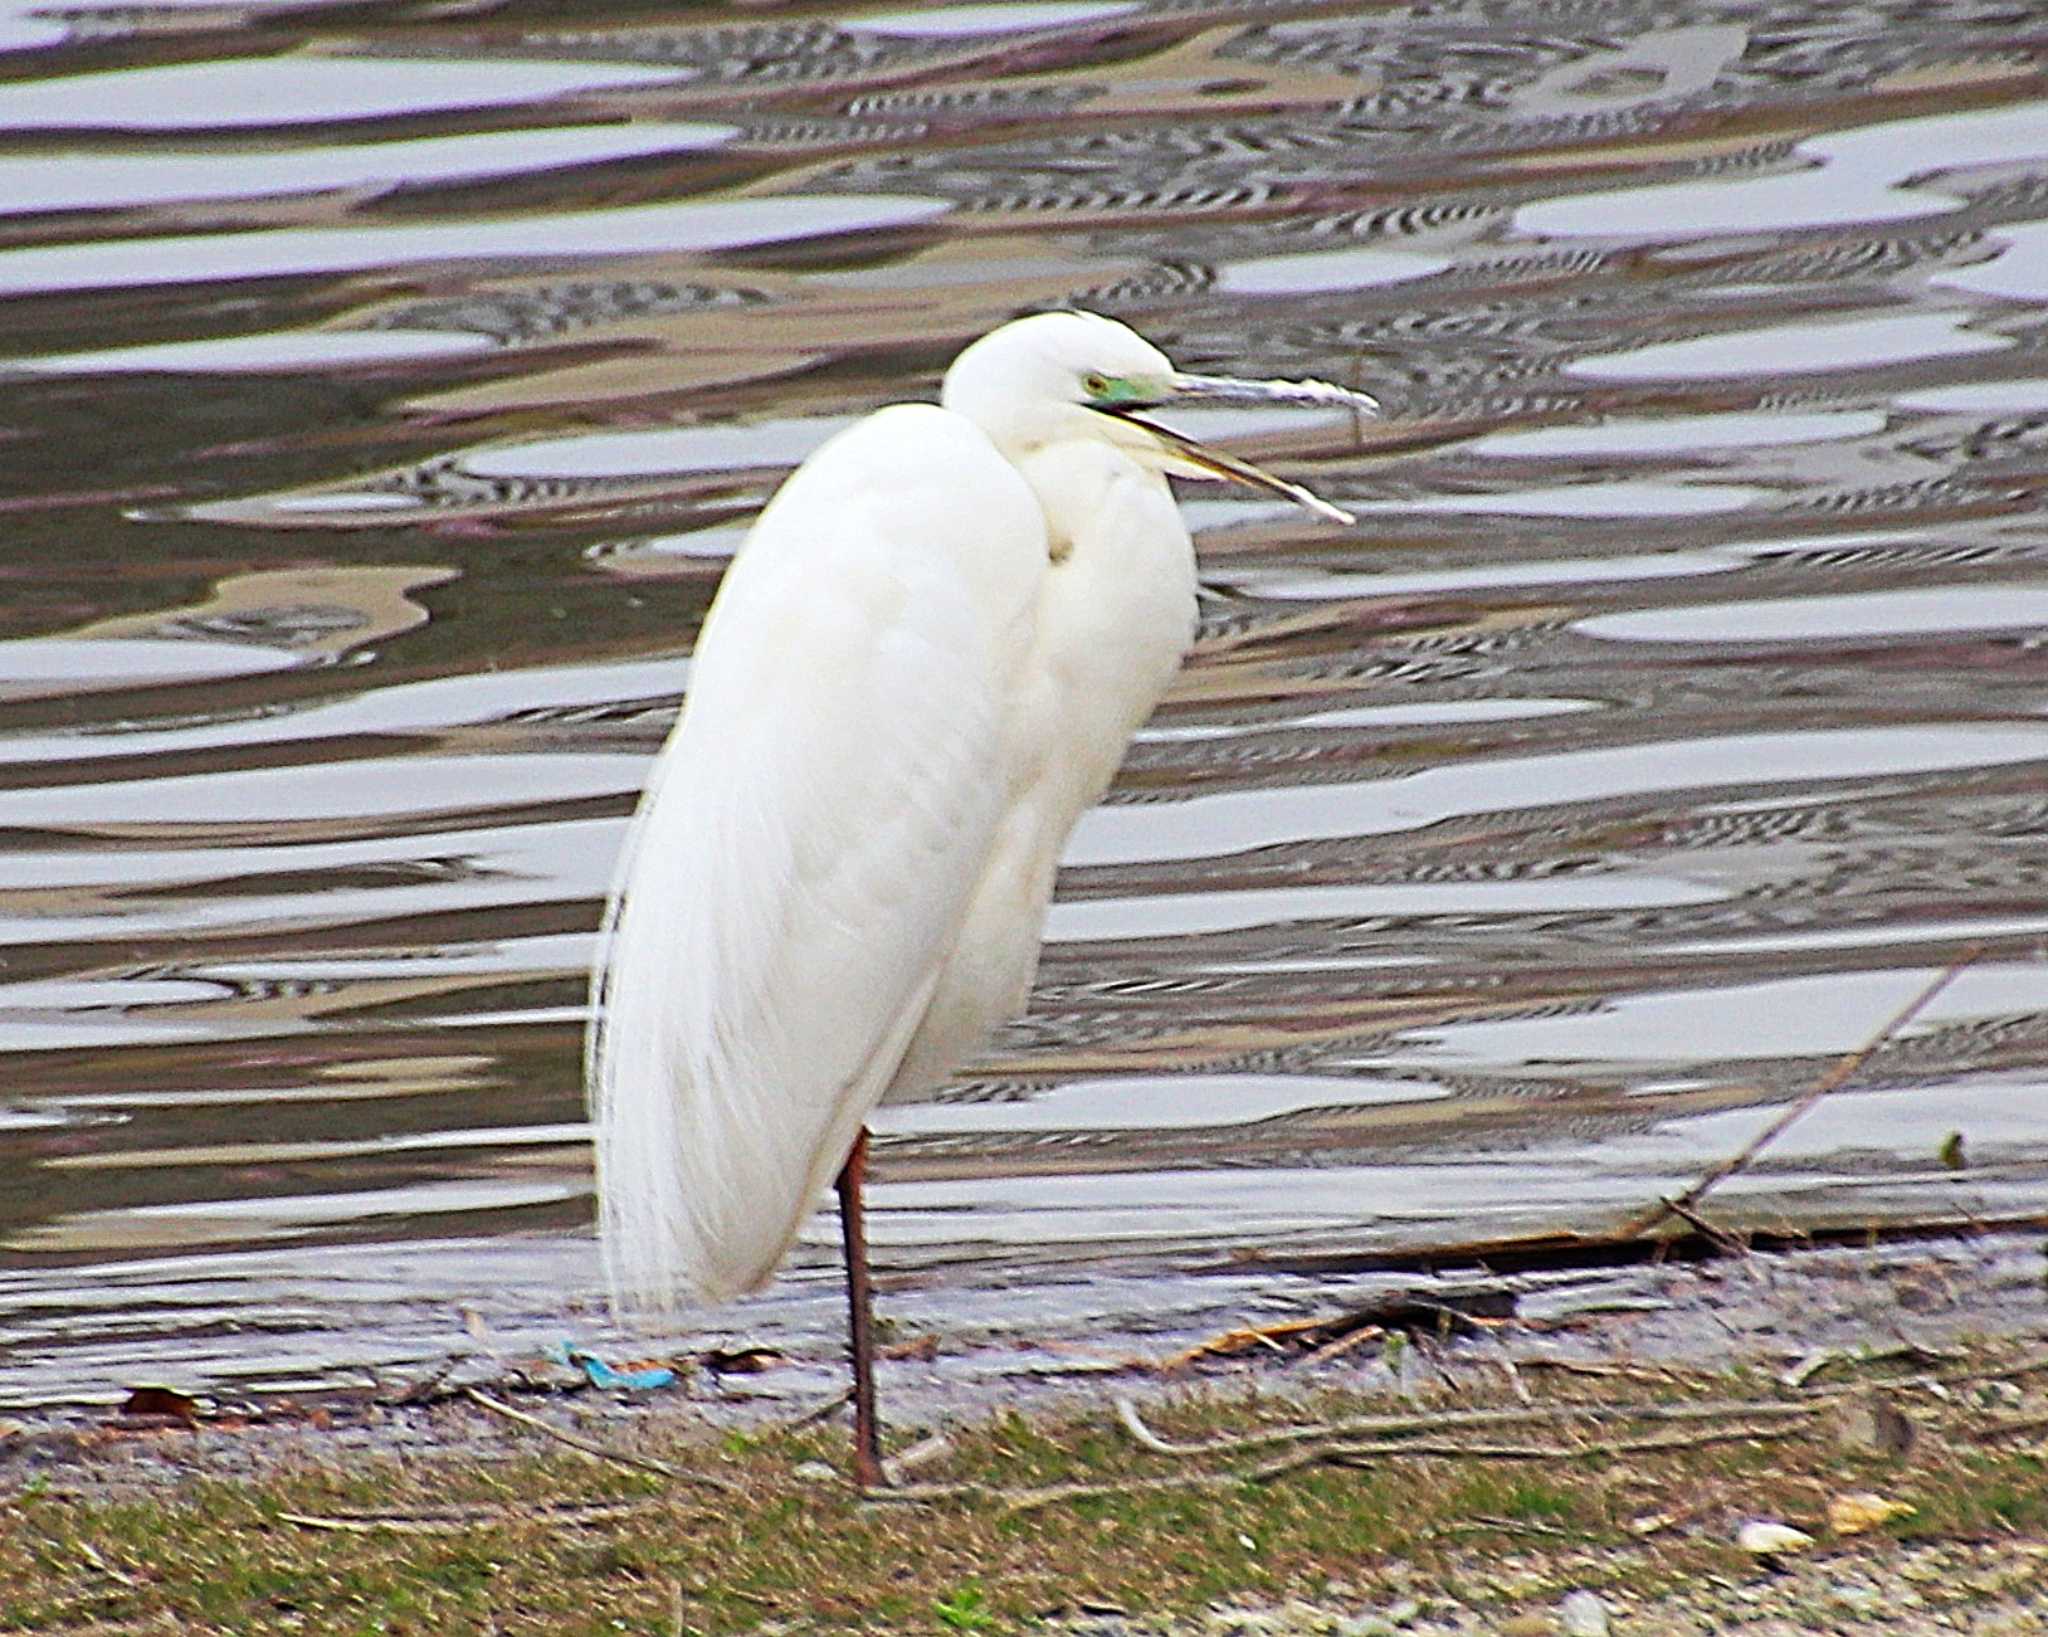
x=1191, y=459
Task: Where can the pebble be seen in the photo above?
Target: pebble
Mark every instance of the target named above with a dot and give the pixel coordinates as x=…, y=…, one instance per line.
x=1248, y=1622
x=1583, y=1615
x=1395, y=1617
x=1902, y=1590
x=1766, y=1537
x=1871, y=1424
x=1862, y=1599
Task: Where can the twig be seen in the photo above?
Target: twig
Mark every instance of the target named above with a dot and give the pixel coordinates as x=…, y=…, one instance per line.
x=1128, y=1417
x=427, y=1385
x=1713, y=1232
x=1343, y=1454
x=1833, y=1080
x=1360, y=1454
x=1587, y=1367
x=1243, y=1339
x=92, y=1556
x=453, y=1521
x=1025, y=1500
x=1396, y=1425
x=2026, y=1365
x=2016, y=1427
x=819, y=1412
x=645, y=1463
x=1810, y=1366
x=1340, y=1453
x=1825, y=1357
x=921, y=1454
x=1343, y=1344
x=1019, y=1501
x=1574, y=1366
x=379, y=1526
x=1506, y=1526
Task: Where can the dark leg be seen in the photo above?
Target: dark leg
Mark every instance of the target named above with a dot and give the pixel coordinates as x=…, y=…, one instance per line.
x=867, y=1441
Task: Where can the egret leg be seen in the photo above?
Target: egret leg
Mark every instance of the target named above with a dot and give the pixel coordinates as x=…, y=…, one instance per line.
x=867, y=1439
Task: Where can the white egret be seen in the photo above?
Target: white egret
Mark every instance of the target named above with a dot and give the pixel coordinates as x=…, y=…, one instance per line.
x=922, y=667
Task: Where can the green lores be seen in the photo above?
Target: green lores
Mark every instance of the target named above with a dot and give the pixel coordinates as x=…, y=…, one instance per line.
x=1123, y=391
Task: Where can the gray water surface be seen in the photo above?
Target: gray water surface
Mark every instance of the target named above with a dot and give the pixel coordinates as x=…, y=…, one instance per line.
x=381, y=392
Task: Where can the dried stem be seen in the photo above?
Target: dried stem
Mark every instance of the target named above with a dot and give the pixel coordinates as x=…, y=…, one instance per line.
x=643, y=1463
x=1357, y=1454
x=1761, y=1421
x=1833, y=1080
x=820, y=1412
x=455, y=1520
x=1394, y=1426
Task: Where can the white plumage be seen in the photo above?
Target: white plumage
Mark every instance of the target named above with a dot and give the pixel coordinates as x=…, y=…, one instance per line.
x=923, y=665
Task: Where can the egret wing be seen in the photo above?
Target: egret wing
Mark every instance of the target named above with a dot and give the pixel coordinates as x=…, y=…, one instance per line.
x=807, y=844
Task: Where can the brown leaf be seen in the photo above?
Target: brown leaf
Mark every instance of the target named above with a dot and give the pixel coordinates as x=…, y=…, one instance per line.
x=740, y=1361
x=160, y=1403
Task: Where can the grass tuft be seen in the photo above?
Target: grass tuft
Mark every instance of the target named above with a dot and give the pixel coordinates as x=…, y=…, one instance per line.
x=498, y=1532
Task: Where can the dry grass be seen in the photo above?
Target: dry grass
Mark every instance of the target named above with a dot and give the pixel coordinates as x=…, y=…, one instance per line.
x=503, y=1531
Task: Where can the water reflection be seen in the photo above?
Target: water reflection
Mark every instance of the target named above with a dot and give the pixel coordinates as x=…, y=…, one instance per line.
x=291, y=252
x=1877, y=173
x=1806, y=348
x=1212, y=825
x=1675, y=709
x=1674, y=436
x=298, y=90
x=1936, y=610
x=93, y=181
x=248, y=354
x=1784, y=1017
x=2019, y=270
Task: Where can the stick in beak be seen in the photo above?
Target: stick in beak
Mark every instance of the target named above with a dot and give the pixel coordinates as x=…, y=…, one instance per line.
x=1216, y=463
x=1197, y=460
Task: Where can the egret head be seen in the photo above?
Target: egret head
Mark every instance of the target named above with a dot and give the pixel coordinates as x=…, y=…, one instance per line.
x=1065, y=375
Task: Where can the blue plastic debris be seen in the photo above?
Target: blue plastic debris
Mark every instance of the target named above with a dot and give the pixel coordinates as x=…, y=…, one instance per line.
x=603, y=1376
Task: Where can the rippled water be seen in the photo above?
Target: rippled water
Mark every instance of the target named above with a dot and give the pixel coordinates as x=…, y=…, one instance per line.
x=384, y=386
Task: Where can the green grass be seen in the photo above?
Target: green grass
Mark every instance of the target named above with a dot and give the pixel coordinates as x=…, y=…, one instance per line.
x=206, y=1553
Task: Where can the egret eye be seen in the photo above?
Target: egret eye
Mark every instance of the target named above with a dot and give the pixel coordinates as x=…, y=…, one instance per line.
x=1095, y=384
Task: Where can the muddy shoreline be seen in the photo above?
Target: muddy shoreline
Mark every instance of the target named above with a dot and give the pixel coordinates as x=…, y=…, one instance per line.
x=1780, y=1311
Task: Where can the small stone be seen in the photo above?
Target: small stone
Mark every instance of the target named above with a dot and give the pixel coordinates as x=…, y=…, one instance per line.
x=815, y=1472
x=1871, y=1424
x=1381, y=1625
x=1582, y=1614
x=1245, y=1622
x=1766, y=1537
